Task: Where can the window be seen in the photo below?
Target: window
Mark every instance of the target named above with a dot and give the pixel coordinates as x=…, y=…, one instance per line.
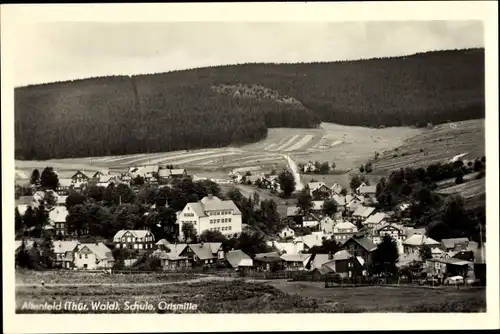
x=229, y=228
x=86, y=256
x=229, y=219
x=140, y=246
x=80, y=256
x=211, y=221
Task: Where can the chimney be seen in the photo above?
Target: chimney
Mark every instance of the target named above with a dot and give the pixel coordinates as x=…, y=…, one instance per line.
x=330, y=256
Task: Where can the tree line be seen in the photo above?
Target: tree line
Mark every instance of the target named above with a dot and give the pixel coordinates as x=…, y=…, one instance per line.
x=181, y=110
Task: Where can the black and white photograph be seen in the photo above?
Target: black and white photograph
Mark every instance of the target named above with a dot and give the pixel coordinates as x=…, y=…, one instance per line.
x=206, y=166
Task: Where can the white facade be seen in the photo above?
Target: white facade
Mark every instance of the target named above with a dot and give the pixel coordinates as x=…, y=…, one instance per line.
x=286, y=233
x=222, y=216
x=92, y=257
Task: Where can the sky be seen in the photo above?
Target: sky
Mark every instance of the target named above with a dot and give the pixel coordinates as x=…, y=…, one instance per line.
x=48, y=52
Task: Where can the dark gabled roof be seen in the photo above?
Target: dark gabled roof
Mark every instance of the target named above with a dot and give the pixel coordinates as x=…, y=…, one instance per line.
x=366, y=243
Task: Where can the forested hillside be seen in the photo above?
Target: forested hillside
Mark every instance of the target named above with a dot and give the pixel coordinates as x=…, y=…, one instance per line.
x=200, y=107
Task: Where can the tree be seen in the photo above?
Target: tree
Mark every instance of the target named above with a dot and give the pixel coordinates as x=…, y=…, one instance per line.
x=334, y=165
x=49, y=179
x=357, y=180
x=459, y=179
x=256, y=198
x=361, y=169
x=35, y=178
x=343, y=192
x=425, y=252
x=386, y=256
x=138, y=181
x=234, y=194
x=329, y=207
x=368, y=168
x=18, y=222
x=212, y=236
x=189, y=232
x=252, y=244
x=478, y=166
x=304, y=201
x=287, y=182
x=248, y=173
x=75, y=198
x=324, y=168
x=47, y=251
x=317, y=166
x=23, y=257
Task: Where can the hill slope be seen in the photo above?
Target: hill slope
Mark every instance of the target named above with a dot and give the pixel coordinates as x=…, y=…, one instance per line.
x=200, y=108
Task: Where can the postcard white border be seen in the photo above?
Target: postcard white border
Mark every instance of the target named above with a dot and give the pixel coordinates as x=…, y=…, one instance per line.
x=12, y=17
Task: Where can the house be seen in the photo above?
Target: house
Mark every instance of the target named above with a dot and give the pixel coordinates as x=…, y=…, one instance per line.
x=294, y=261
x=93, y=256
x=64, y=186
x=416, y=241
x=310, y=220
x=443, y=268
x=64, y=253
x=339, y=200
x=169, y=255
x=294, y=247
x=134, y=239
x=268, y=262
x=125, y=177
x=206, y=254
x=362, y=213
x=97, y=175
x=79, y=179
x=106, y=180
x=373, y=221
x=293, y=215
x=238, y=260
x=344, y=231
x=146, y=171
x=286, y=232
x=320, y=190
x=455, y=244
x=365, y=189
x=309, y=167
x=347, y=265
x=360, y=247
x=395, y=231
x=317, y=206
x=354, y=202
x=167, y=174
x=311, y=240
x=326, y=224
x=211, y=214
x=336, y=189
x=57, y=219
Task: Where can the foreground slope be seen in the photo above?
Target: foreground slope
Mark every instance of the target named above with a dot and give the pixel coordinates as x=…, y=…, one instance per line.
x=219, y=106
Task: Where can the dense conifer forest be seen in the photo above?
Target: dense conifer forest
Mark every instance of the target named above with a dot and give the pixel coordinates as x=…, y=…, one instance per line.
x=232, y=105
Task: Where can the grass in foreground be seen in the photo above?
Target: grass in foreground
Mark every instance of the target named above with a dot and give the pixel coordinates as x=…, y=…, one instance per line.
x=238, y=296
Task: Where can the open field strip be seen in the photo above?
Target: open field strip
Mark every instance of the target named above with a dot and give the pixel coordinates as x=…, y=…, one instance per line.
x=194, y=159
x=256, y=157
x=167, y=158
x=278, y=142
x=114, y=159
x=468, y=189
x=139, y=158
x=287, y=143
x=269, y=147
x=298, y=145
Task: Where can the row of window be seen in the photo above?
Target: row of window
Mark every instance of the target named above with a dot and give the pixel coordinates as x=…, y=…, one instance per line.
x=223, y=228
x=189, y=214
x=220, y=213
x=59, y=225
x=189, y=221
x=223, y=220
x=132, y=239
x=135, y=246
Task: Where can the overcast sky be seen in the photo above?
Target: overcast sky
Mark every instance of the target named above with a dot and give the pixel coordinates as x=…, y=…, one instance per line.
x=48, y=52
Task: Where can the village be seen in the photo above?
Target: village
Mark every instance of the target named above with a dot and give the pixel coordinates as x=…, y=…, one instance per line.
x=340, y=236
